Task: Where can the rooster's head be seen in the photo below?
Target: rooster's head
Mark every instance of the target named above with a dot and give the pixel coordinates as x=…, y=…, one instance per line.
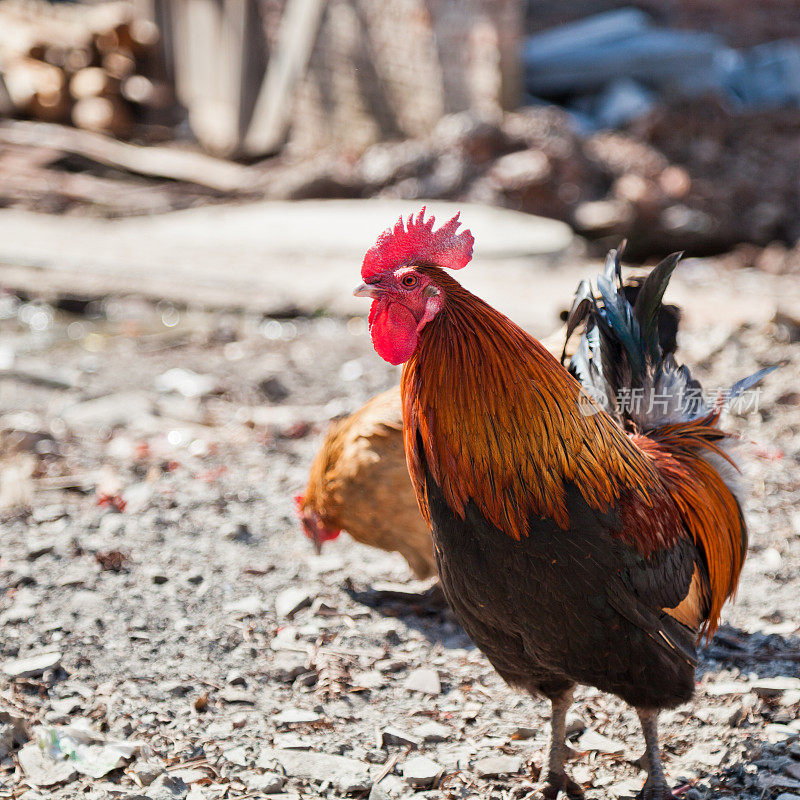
x=404, y=297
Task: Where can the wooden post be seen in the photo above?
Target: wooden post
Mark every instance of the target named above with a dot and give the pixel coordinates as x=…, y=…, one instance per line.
x=296, y=38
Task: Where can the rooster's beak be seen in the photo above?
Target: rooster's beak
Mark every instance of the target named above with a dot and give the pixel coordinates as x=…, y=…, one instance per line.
x=365, y=290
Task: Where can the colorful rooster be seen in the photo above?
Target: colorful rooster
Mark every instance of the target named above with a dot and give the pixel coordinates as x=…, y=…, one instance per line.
x=580, y=537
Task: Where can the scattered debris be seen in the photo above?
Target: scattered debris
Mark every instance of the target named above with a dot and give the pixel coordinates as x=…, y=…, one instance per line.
x=90, y=753
x=224, y=695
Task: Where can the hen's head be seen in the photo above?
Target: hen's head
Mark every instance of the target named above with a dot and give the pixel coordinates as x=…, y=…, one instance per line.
x=404, y=298
x=313, y=525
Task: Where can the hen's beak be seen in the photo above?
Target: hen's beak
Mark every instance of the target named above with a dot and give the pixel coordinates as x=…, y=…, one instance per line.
x=365, y=290
x=317, y=543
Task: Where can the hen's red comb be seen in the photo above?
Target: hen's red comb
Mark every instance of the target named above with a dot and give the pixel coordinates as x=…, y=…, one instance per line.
x=415, y=242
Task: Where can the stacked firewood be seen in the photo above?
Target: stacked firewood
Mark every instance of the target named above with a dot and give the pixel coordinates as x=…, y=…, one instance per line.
x=95, y=67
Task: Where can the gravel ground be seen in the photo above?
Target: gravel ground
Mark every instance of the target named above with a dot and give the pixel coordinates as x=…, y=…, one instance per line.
x=153, y=570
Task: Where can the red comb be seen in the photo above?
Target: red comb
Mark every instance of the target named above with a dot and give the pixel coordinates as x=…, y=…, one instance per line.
x=298, y=502
x=415, y=242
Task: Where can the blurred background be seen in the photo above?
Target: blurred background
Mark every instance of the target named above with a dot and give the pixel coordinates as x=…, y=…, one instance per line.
x=187, y=189
x=674, y=123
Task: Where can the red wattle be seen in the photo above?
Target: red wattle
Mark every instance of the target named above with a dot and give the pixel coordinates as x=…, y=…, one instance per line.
x=394, y=331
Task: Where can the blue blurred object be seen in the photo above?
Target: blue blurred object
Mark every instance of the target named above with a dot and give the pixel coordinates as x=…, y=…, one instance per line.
x=767, y=76
x=609, y=69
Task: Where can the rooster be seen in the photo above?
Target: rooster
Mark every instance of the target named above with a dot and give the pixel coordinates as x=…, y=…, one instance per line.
x=359, y=482
x=579, y=539
x=358, y=474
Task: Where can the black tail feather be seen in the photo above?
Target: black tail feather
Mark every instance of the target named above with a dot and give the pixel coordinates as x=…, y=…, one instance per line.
x=620, y=359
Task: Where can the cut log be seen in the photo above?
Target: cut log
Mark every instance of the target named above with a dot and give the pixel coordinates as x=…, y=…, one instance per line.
x=102, y=115
x=160, y=162
x=90, y=82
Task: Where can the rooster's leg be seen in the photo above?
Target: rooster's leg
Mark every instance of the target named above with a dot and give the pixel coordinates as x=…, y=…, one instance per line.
x=655, y=788
x=554, y=779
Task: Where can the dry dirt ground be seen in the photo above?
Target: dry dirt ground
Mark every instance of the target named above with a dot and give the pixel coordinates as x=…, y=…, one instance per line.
x=152, y=567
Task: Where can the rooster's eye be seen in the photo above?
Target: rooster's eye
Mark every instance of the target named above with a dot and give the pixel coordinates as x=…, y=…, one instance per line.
x=409, y=280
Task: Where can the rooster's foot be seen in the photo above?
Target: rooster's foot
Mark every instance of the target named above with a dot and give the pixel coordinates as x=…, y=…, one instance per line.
x=558, y=783
x=655, y=791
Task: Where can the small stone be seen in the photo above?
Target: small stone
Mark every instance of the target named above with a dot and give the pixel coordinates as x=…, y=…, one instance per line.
x=495, y=766
x=236, y=532
x=790, y=697
x=273, y=389
x=787, y=796
x=231, y=695
x=377, y=792
x=235, y=678
x=470, y=711
x=158, y=577
x=238, y=755
x=41, y=771
x=773, y=687
x=268, y=782
x=421, y=772
x=725, y=688
x=290, y=741
x=168, y=787
x=737, y=715
x=19, y=574
x=250, y=606
x=625, y=789
x=290, y=601
x=347, y=775
x=592, y=740
x=17, y=614
x=145, y=772
x=376, y=756
x=38, y=549
x=67, y=705
x=31, y=666
x=189, y=775
x=575, y=724
x=767, y=782
x=424, y=680
x=771, y=560
x=185, y=382
x=391, y=787
x=13, y=733
x=295, y=716
x=779, y=733
x=368, y=679
x=48, y=513
x=390, y=665
x=710, y=714
x=434, y=732
x=703, y=756
x=286, y=666
x=793, y=771
x=394, y=736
